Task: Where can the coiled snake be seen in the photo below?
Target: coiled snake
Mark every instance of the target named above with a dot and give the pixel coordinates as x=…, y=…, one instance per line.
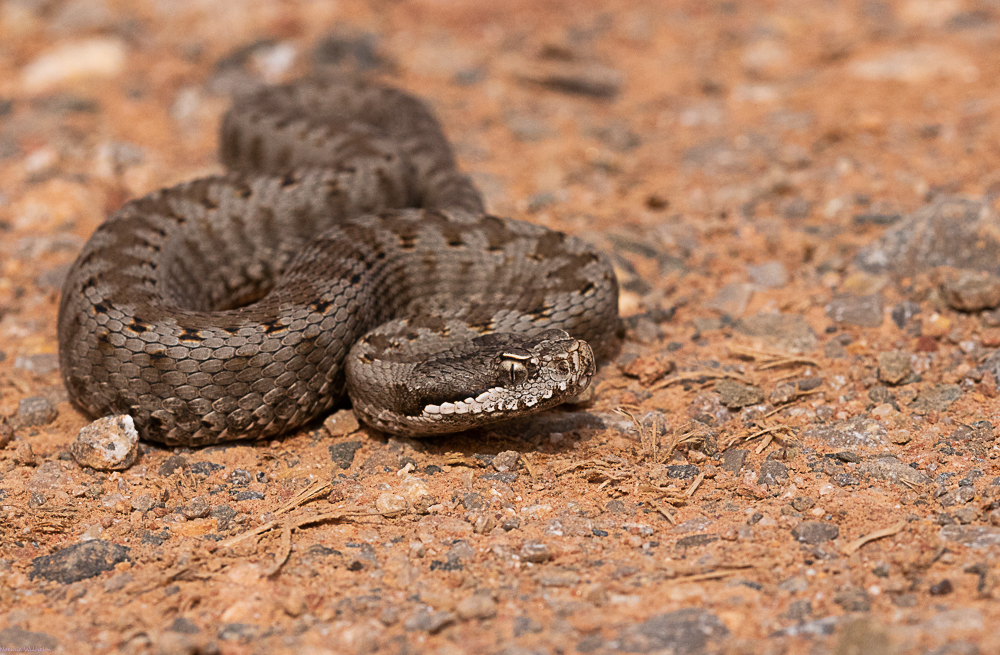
x=342, y=248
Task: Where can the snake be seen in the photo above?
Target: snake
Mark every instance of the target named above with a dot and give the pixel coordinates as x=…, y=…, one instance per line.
x=341, y=251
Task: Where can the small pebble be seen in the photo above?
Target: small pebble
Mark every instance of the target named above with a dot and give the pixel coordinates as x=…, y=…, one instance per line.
x=972, y=291
x=6, y=433
x=734, y=394
x=95, y=57
x=894, y=367
x=78, y=562
x=389, y=503
x=108, y=444
x=36, y=410
x=535, y=552
x=508, y=460
x=815, y=532
x=196, y=508
x=23, y=455
x=476, y=606
x=341, y=423
x=142, y=503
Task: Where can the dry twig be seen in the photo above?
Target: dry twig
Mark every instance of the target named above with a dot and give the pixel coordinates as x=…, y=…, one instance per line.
x=700, y=377
x=878, y=534
x=771, y=358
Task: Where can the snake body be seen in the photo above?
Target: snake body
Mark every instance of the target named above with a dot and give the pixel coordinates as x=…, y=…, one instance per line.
x=342, y=249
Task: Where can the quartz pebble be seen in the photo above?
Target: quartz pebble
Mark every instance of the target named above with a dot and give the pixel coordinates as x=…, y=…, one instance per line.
x=96, y=57
x=108, y=444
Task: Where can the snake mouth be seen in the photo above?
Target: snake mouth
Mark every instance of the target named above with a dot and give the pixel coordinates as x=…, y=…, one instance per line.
x=566, y=375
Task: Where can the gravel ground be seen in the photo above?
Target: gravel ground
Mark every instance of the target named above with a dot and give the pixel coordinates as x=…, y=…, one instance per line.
x=794, y=451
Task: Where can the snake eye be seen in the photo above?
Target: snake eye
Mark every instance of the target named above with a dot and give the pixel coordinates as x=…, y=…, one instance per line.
x=513, y=367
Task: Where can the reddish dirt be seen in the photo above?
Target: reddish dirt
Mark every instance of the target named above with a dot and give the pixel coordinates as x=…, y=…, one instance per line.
x=696, y=142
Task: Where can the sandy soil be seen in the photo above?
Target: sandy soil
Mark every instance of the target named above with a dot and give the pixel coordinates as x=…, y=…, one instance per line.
x=793, y=453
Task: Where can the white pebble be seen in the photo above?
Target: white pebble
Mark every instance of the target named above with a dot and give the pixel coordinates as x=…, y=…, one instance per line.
x=96, y=57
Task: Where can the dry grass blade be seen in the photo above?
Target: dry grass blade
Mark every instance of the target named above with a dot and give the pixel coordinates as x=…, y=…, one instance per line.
x=699, y=377
x=297, y=522
x=671, y=496
x=878, y=534
x=667, y=515
x=458, y=459
x=687, y=433
x=53, y=521
x=771, y=358
x=713, y=575
x=759, y=433
x=648, y=435
x=186, y=572
x=312, y=492
x=529, y=466
x=694, y=485
x=286, y=550
x=799, y=395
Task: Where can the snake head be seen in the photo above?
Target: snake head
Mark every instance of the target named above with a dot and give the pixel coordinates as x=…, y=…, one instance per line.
x=471, y=383
x=505, y=376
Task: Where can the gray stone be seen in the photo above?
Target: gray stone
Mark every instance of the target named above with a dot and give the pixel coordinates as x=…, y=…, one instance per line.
x=890, y=469
x=536, y=552
x=473, y=501
x=798, y=610
x=972, y=291
x=506, y=461
x=790, y=332
x=342, y=454
x=783, y=393
x=383, y=460
x=108, y=444
x=20, y=640
x=6, y=433
x=682, y=471
x=815, y=532
x=557, y=577
x=732, y=460
x=33, y=411
x=833, y=349
x=476, y=606
x=341, y=423
x=732, y=299
x=241, y=632
x=424, y=619
x=894, y=367
x=772, y=473
x=803, y=503
x=937, y=398
x=973, y=536
x=734, y=395
x=682, y=632
x=40, y=364
x=854, y=599
x=862, y=311
x=850, y=433
x=78, y=562
x=959, y=496
x=183, y=626
x=769, y=275
x=196, y=508
x=956, y=232
x=794, y=585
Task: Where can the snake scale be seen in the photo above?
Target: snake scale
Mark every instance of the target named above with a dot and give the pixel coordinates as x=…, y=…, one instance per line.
x=342, y=249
